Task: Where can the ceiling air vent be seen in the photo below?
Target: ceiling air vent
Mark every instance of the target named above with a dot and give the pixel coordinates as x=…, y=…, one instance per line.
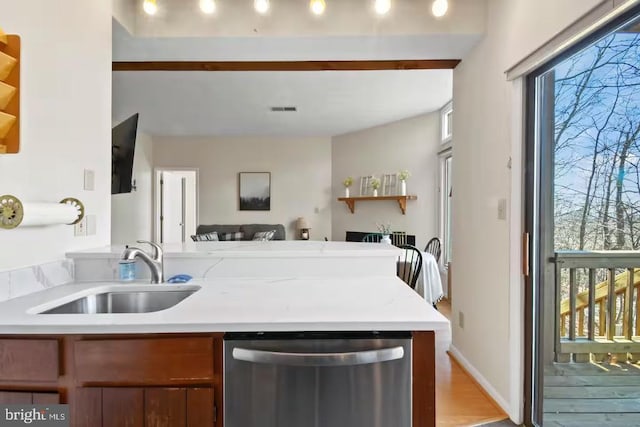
x=284, y=109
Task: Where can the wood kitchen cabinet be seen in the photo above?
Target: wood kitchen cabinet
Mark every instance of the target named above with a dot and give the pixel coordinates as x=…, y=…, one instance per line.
x=165, y=380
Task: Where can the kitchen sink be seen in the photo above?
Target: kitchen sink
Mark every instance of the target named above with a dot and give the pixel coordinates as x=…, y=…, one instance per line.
x=124, y=301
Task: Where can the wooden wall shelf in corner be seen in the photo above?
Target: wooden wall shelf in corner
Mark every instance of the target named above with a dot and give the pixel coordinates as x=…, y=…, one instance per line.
x=402, y=201
x=9, y=93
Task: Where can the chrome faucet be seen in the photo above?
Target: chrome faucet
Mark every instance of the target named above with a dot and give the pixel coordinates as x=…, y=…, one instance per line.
x=155, y=261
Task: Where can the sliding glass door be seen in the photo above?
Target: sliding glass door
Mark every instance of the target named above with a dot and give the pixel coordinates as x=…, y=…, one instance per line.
x=583, y=215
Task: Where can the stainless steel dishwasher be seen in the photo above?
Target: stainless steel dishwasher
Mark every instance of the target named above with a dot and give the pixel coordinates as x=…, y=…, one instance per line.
x=317, y=380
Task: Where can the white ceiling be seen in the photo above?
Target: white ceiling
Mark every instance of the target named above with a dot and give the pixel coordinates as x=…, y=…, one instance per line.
x=238, y=103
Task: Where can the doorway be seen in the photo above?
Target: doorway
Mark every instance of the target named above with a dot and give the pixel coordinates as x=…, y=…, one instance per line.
x=582, y=213
x=176, y=204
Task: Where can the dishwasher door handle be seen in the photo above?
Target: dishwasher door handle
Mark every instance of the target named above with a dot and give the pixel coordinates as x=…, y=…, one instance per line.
x=319, y=359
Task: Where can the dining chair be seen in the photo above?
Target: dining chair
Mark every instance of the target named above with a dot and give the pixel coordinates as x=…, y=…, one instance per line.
x=410, y=265
x=434, y=247
x=399, y=238
x=372, y=238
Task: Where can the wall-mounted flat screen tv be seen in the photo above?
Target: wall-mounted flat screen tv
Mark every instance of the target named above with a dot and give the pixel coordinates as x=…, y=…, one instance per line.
x=123, y=145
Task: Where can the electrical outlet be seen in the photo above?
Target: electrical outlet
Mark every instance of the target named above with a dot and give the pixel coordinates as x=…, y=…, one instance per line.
x=461, y=320
x=80, y=229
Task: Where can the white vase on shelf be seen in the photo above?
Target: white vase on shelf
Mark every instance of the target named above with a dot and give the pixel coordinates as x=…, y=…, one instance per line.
x=346, y=192
x=386, y=239
x=375, y=192
x=403, y=188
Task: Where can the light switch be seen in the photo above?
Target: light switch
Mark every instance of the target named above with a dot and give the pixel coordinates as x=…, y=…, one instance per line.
x=89, y=180
x=502, y=209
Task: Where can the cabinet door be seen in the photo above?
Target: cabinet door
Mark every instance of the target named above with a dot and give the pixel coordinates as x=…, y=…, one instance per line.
x=15, y=397
x=86, y=408
x=165, y=407
x=25, y=397
x=123, y=407
x=200, y=407
x=143, y=407
x=46, y=398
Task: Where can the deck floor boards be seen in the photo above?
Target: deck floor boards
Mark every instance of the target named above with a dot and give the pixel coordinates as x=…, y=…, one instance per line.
x=593, y=392
x=591, y=420
x=590, y=394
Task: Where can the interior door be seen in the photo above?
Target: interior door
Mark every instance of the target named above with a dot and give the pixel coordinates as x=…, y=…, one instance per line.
x=177, y=206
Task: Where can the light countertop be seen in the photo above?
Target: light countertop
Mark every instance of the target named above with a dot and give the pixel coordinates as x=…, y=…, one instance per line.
x=251, y=249
x=239, y=305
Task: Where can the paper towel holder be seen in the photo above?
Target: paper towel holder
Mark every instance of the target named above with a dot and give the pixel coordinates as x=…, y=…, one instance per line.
x=12, y=211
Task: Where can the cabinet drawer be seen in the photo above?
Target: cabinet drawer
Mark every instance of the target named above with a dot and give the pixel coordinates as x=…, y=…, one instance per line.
x=29, y=360
x=161, y=361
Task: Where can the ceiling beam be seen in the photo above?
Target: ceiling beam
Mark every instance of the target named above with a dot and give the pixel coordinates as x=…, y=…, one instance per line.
x=404, y=64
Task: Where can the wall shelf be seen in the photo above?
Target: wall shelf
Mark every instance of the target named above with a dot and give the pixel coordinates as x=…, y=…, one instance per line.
x=402, y=201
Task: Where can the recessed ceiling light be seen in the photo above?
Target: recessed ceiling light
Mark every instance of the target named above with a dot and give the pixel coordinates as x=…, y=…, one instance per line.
x=317, y=6
x=208, y=6
x=439, y=8
x=382, y=7
x=150, y=7
x=261, y=6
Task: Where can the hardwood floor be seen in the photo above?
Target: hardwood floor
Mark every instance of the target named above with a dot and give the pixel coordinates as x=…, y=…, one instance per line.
x=460, y=401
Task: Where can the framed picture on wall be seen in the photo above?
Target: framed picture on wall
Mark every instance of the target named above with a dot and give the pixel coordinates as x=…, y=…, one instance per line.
x=255, y=191
x=365, y=185
x=389, y=184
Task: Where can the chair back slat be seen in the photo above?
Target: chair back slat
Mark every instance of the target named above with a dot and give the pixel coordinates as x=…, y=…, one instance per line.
x=434, y=247
x=372, y=238
x=410, y=265
x=399, y=238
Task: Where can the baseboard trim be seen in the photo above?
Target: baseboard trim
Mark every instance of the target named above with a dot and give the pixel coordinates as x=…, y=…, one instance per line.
x=482, y=382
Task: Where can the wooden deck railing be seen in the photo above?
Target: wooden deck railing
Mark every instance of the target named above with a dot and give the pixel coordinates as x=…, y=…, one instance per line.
x=603, y=317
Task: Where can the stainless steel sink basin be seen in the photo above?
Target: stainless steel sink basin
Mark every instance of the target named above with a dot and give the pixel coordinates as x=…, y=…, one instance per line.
x=122, y=301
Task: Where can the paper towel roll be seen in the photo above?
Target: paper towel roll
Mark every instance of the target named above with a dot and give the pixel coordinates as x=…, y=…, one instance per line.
x=37, y=214
x=14, y=213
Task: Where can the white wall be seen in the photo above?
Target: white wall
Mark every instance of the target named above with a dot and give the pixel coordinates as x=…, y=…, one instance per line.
x=484, y=129
x=65, y=121
x=300, y=177
x=410, y=144
x=132, y=213
x=125, y=12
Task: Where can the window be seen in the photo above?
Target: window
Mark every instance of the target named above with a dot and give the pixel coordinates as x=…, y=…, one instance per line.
x=446, y=180
x=446, y=193
x=447, y=123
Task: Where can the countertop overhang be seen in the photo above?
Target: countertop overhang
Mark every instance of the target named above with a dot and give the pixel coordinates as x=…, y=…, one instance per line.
x=287, y=304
